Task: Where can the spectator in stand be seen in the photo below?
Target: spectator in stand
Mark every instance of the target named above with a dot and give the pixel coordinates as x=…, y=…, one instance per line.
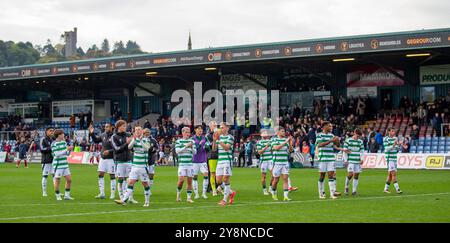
x=379, y=140
x=312, y=150
x=249, y=151
x=361, y=107
x=88, y=118
x=404, y=104
x=415, y=135
x=422, y=115
x=436, y=123
x=72, y=121
x=81, y=120
x=23, y=149
x=147, y=124
x=241, y=150
x=405, y=146
x=306, y=151
x=373, y=145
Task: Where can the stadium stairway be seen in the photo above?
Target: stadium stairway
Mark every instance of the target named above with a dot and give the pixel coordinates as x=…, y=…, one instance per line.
x=152, y=118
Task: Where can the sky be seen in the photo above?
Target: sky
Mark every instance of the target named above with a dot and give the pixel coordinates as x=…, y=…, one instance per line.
x=159, y=26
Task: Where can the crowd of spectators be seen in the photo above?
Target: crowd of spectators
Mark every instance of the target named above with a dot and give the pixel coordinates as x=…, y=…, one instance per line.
x=303, y=124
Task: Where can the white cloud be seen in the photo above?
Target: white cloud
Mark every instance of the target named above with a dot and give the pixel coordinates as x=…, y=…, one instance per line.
x=164, y=25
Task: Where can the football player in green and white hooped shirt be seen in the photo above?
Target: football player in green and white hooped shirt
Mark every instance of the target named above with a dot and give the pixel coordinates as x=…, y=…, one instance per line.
x=391, y=148
x=60, y=151
x=326, y=143
x=266, y=162
x=185, y=149
x=139, y=171
x=281, y=148
x=223, y=143
x=354, y=148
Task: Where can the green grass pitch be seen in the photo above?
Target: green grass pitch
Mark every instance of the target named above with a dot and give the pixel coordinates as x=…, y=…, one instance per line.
x=426, y=198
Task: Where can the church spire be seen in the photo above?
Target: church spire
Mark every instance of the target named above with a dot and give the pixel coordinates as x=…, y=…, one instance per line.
x=190, y=42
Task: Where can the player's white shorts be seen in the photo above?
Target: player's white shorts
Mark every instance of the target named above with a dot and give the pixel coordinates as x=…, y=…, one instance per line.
x=223, y=170
x=280, y=169
x=123, y=170
x=200, y=168
x=47, y=169
x=327, y=166
x=354, y=168
x=392, y=166
x=58, y=173
x=151, y=169
x=266, y=166
x=107, y=166
x=138, y=173
x=186, y=170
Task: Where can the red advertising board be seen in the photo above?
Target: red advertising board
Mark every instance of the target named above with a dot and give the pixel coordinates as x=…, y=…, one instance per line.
x=76, y=157
x=370, y=76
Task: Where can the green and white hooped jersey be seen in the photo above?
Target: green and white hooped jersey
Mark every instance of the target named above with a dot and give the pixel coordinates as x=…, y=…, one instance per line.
x=267, y=155
x=356, y=147
x=390, y=151
x=225, y=157
x=139, y=153
x=281, y=156
x=59, y=152
x=326, y=153
x=186, y=155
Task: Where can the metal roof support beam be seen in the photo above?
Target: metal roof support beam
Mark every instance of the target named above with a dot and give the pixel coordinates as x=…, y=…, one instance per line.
x=389, y=69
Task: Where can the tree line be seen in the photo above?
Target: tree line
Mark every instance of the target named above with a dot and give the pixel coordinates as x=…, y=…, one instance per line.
x=24, y=53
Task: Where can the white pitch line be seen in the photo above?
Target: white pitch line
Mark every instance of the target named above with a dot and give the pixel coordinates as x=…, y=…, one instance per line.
x=236, y=205
x=75, y=203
